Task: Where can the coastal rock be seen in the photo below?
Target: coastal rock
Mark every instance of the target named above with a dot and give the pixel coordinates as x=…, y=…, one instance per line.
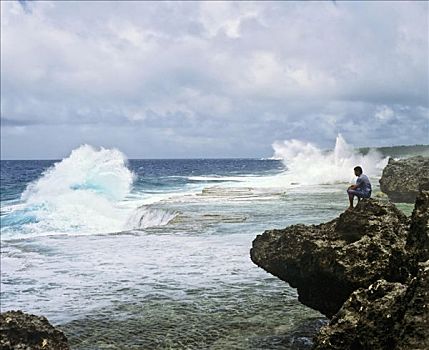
x=367, y=320
x=327, y=262
x=402, y=179
x=414, y=329
x=370, y=264
x=418, y=238
x=383, y=316
x=24, y=331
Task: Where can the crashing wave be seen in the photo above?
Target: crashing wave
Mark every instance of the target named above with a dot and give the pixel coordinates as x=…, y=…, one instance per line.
x=79, y=194
x=310, y=165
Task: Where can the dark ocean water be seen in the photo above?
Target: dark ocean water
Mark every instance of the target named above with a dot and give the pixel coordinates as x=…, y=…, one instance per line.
x=151, y=173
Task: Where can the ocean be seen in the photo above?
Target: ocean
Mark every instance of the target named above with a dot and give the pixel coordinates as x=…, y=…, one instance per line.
x=154, y=254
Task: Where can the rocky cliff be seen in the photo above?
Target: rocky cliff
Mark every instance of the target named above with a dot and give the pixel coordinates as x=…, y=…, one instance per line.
x=402, y=179
x=24, y=331
x=364, y=270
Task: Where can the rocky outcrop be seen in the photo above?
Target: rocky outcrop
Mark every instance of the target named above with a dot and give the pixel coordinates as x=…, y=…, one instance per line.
x=24, y=331
x=402, y=179
x=363, y=269
x=327, y=262
x=384, y=316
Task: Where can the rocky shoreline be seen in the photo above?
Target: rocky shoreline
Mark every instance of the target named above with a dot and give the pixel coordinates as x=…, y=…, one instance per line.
x=366, y=270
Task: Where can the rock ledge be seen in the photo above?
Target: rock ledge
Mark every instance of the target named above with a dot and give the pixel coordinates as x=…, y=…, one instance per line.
x=366, y=270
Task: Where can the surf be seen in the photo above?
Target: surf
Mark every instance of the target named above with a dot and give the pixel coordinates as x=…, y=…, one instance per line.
x=81, y=194
x=308, y=164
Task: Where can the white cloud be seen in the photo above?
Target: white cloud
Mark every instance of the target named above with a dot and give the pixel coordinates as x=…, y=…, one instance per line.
x=384, y=113
x=225, y=17
x=217, y=69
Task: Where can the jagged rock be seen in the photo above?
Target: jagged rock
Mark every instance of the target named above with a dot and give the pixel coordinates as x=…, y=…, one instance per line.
x=414, y=329
x=327, y=262
x=24, y=331
x=418, y=238
x=366, y=264
x=384, y=316
x=402, y=179
x=367, y=320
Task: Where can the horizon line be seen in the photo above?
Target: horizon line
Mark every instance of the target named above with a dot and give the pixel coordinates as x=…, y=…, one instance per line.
x=219, y=158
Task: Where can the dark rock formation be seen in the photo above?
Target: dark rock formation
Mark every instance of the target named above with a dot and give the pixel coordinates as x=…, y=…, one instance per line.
x=413, y=331
x=402, y=179
x=367, y=320
x=418, y=238
x=388, y=315
x=327, y=262
x=367, y=265
x=24, y=331
x=384, y=316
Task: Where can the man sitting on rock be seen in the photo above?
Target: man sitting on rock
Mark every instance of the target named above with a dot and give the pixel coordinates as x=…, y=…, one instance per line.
x=362, y=189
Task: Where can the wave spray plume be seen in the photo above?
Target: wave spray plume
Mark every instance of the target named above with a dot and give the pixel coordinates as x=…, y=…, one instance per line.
x=309, y=165
x=80, y=193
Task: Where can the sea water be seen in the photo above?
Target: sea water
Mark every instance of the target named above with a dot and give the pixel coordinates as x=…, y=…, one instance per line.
x=154, y=254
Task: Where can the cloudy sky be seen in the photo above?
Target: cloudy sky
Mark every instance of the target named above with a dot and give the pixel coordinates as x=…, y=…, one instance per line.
x=210, y=79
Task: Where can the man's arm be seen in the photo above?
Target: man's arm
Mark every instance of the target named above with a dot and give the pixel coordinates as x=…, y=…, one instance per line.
x=359, y=183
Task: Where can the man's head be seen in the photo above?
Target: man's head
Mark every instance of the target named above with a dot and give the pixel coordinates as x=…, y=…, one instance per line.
x=358, y=170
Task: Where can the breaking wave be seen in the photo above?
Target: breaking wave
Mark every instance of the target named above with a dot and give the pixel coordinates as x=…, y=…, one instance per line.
x=80, y=193
x=310, y=165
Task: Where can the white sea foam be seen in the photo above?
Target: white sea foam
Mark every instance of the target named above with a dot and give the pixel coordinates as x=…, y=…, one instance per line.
x=102, y=171
x=146, y=216
x=79, y=194
x=309, y=165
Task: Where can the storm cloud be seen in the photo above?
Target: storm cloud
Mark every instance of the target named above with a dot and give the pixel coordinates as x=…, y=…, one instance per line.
x=211, y=79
